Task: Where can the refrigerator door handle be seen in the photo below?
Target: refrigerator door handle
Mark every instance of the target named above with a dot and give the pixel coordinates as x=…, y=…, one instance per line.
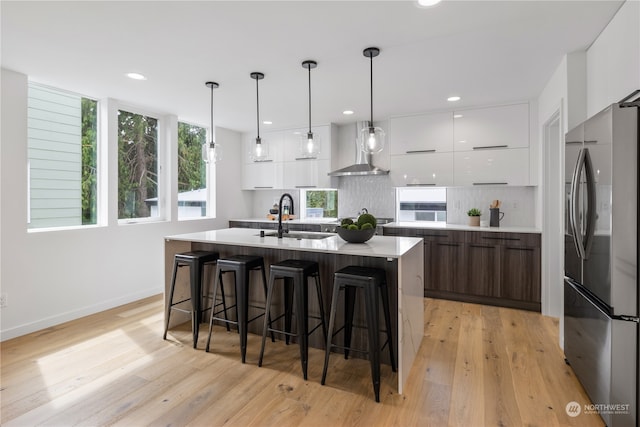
x=574, y=205
x=591, y=203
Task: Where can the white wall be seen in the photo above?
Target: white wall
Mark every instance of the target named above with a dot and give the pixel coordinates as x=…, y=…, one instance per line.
x=52, y=277
x=583, y=84
x=613, y=60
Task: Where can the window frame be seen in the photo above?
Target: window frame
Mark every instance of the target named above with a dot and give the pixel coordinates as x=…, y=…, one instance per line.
x=100, y=166
x=209, y=175
x=161, y=161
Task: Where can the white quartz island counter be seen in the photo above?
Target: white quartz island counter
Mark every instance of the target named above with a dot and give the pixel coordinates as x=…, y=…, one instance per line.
x=401, y=257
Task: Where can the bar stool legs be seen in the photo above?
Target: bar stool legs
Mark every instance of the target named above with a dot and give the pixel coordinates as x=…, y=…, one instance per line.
x=373, y=282
x=296, y=275
x=241, y=266
x=195, y=260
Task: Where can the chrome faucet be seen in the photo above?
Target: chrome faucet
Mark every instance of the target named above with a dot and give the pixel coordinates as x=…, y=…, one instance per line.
x=363, y=211
x=280, y=212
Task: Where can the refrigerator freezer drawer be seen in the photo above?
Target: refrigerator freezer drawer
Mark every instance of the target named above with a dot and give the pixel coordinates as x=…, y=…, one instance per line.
x=602, y=353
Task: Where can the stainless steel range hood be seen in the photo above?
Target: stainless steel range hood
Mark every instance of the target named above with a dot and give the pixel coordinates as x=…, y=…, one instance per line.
x=363, y=165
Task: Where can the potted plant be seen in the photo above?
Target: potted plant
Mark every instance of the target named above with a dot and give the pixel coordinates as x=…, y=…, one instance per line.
x=474, y=217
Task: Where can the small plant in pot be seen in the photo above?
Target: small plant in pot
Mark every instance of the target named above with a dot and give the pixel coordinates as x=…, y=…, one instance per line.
x=474, y=217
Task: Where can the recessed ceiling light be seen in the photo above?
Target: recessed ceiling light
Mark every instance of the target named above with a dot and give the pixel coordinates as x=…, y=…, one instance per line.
x=453, y=98
x=136, y=76
x=457, y=116
x=267, y=122
x=427, y=3
x=347, y=112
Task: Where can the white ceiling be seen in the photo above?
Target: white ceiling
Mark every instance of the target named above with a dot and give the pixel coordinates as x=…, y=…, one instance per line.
x=487, y=52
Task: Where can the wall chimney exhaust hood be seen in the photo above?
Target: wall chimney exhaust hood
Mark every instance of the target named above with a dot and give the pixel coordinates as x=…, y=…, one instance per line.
x=363, y=165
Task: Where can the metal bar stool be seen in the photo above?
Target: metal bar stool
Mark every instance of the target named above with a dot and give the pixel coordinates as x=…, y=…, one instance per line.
x=241, y=266
x=370, y=280
x=195, y=260
x=295, y=274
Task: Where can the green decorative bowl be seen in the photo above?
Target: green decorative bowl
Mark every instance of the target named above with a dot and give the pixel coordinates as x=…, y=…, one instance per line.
x=355, y=236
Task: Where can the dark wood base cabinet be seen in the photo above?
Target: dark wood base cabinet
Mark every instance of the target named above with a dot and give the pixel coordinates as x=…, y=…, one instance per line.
x=494, y=268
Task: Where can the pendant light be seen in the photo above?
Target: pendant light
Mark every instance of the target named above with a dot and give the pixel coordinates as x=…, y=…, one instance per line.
x=259, y=151
x=310, y=143
x=211, y=151
x=371, y=138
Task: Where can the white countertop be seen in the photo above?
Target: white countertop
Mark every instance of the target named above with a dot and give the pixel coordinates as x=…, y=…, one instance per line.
x=290, y=221
x=378, y=246
x=461, y=227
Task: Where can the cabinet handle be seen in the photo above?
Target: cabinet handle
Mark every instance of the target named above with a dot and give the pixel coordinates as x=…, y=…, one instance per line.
x=435, y=235
x=263, y=161
x=490, y=183
x=263, y=187
x=520, y=249
x=449, y=244
x=489, y=147
x=419, y=151
x=591, y=142
x=306, y=158
x=517, y=239
x=305, y=186
x=481, y=246
x=573, y=142
x=419, y=185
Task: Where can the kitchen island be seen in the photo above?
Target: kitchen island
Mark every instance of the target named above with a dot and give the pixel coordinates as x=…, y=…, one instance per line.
x=401, y=257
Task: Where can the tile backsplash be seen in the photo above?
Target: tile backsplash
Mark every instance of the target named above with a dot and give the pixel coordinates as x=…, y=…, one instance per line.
x=518, y=204
x=377, y=194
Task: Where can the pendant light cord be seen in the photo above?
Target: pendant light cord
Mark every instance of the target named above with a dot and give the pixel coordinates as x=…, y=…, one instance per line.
x=371, y=87
x=212, y=141
x=309, y=68
x=257, y=108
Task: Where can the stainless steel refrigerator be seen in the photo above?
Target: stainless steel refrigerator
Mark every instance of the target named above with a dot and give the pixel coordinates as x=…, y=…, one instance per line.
x=601, y=305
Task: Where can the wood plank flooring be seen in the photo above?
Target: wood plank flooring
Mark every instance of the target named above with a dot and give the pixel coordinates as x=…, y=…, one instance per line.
x=477, y=366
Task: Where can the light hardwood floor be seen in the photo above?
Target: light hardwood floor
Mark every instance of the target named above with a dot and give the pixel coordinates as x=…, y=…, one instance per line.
x=477, y=366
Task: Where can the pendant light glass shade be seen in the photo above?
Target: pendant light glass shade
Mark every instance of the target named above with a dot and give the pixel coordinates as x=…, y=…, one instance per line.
x=259, y=151
x=211, y=151
x=309, y=143
x=371, y=137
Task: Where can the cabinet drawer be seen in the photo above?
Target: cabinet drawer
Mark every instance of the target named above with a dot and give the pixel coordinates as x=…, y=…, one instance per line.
x=505, y=126
x=425, y=132
x=442, y=236
x=531, y=240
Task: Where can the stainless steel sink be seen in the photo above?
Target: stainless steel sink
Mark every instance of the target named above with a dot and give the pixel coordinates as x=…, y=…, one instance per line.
x=299, y=235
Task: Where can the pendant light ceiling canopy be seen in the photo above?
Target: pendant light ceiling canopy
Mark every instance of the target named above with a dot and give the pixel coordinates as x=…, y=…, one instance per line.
x=371, y=137
x=309, y=143
x=211, y=151
x=259, y=150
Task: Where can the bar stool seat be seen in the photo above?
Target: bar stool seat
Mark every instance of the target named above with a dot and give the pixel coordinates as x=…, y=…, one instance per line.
x=295, y=274
x=241, y=266
x=195, y=260
x=374, y=284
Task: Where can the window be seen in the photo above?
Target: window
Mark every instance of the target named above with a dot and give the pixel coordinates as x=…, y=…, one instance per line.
x=137, y=166
x=319, y=203
x=192, y=172
x=421, y=204
x=62, y=156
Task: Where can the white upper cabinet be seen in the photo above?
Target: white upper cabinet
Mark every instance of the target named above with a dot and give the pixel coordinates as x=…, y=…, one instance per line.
x=292, y=142
x=492, y=167
x=421, y=134
x=419, y=169
x=262, y=175
x=309, y=173
x=492, y=127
